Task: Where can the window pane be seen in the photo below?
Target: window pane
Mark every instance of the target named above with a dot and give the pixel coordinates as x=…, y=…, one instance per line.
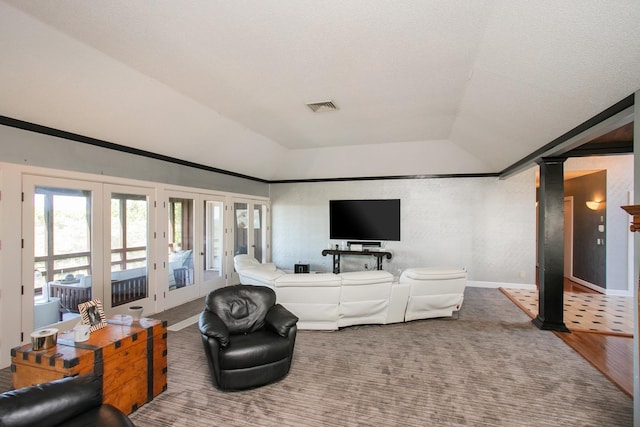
x=70, y=224
x=116, y=224
x=62, y=253
x=40, y=227
x=240, y=229
x=136, y=223
x=181, y=232
x=129, y=250
x=214, y=238
x=68, y=265
x=258, y=232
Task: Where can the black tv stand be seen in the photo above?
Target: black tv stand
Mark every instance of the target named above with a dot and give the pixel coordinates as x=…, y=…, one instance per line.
x=337, y=253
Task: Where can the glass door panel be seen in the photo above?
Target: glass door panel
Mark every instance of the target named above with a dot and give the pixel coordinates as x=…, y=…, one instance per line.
x=213, y=243
x=129, y=252
x=259, y=232
x=251, y=230
x=59, y=241
x=240, y=229
x=62, y=253
x=181, y=242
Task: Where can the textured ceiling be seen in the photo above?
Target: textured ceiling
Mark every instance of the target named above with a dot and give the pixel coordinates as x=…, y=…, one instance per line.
x=422, y=87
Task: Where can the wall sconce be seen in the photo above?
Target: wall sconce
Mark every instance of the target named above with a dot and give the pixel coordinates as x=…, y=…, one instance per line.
x=594, y=205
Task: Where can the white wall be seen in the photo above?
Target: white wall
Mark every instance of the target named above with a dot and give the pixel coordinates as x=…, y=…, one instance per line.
x=27, y=148
x=485, y=225
x=10, y=263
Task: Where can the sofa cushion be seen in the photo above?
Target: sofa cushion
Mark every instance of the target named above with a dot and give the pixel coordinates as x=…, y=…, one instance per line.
x=356, y=278
x=302, y=280
x=243, y=262
x=265, y=276
x=364, y=297
x=434, y=273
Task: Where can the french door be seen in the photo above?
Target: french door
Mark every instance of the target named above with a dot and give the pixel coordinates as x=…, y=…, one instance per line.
x=86, y=240
x=214, y=266
x=197, y=241
x=182, y=248
x=62, y=233
x=251, y=230
x=131, y=246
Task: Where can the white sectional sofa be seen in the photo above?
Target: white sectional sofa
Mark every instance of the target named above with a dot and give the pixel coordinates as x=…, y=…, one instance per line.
x=252, y=272
x=434, y=292
x=314, y=298
x=329, y=301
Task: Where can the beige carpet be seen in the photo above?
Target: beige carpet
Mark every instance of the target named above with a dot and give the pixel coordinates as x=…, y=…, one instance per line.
x=584, y=312
x=490, y=367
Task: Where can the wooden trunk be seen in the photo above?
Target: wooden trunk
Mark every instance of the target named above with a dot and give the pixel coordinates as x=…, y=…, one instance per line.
x=34, y=367
x=132, y=360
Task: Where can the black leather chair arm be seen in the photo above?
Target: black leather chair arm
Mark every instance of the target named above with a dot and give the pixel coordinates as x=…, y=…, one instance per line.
x=213, y=327
x=56, y=402
x=103, y=416
x=280, y=320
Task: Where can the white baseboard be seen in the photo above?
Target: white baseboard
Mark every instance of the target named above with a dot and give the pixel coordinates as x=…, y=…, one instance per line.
x=612, y=292
x=529, y=286
x=184, y=323
x=618, y=293
x=479, y=284
x=588, y=285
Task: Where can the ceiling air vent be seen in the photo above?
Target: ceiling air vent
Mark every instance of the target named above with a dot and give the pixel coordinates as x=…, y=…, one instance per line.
x=322, y=106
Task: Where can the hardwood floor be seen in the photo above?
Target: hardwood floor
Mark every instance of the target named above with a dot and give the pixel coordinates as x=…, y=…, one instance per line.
x=610, y=354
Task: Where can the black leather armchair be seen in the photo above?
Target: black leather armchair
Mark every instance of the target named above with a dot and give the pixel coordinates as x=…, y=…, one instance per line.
x=247, y=337
x=71, y=401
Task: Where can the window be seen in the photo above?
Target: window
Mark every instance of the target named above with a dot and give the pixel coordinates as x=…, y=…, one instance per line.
x=62, y=235
x=129, y=248
x=250, y=229
x=181, y=244
x=128, y=231
x=213, y=239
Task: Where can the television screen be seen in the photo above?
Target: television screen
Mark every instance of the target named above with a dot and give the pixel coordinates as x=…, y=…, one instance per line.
x=364, y=219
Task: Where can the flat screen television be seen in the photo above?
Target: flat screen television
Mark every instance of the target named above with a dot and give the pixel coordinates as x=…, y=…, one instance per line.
x=364, y=219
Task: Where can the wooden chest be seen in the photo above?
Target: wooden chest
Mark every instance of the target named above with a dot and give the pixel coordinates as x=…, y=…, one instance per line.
x=132, y=360
x=34, y=367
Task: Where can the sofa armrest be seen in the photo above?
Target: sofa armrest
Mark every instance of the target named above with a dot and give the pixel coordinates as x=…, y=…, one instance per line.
x=213, y=327
x=103, y=415
x=50, y=403
x=268, y=266
x=280, y=320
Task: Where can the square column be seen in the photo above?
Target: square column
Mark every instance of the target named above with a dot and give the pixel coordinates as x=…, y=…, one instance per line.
x=551, y=246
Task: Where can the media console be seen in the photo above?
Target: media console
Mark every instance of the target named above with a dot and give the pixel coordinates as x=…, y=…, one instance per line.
x=337, y=253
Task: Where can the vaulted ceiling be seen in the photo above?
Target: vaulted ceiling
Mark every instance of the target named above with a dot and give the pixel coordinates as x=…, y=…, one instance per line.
x=421, y=87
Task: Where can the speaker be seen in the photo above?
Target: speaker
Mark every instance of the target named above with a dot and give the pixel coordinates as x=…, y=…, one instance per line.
x=301, y=268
